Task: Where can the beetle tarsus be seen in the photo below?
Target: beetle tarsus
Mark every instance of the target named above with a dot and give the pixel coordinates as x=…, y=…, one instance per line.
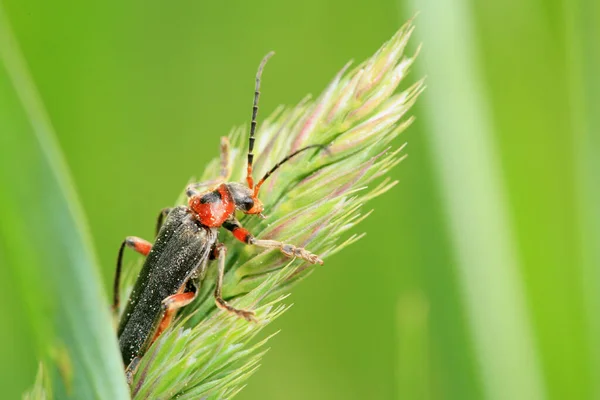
x=131, y=369
x=246, y=314
x=288, y=250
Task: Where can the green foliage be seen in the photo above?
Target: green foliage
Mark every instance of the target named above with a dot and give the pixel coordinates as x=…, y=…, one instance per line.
x=52, y=265
x=139, y=93
x=314, y=201
x=41, y=389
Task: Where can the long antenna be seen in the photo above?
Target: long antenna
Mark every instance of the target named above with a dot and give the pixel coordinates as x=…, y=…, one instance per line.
x=253, y=121
x=280, y=163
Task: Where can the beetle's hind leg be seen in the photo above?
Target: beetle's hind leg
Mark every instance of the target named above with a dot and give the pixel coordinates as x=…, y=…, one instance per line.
x=170, y=306
x=131, y=369
x=221, y=251
x=173, y=303
x=133, y=242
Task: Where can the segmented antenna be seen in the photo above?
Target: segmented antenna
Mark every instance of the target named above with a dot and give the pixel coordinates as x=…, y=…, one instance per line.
x=286, y=159
x=253, y=121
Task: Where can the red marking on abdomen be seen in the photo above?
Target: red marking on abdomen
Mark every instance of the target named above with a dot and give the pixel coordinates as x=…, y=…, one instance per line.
x=213, y=214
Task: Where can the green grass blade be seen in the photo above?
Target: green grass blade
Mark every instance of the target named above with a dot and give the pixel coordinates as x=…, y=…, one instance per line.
x=583, y=29
x=45, y=243
x=461, y=136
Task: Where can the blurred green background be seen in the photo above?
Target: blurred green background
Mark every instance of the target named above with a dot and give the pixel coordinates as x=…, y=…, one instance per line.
x=479, y=276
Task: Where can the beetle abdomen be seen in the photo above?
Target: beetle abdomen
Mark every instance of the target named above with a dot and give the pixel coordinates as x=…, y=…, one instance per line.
x=181, y=246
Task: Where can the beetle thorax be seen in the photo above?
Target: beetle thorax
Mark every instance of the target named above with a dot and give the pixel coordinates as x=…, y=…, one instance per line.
x=214, y=207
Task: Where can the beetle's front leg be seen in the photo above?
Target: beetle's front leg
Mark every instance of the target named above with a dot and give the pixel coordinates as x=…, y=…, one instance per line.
x=289, y=250
x=220, y=252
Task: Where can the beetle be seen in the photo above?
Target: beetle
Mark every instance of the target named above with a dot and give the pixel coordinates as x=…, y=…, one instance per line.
x=185, y=243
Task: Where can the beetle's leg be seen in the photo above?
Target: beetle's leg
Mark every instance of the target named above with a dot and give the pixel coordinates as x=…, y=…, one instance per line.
x=225, y=164
x=173, y=303
x=287, y=249
x=221, y=251
x=137, y=244
x=192, y=188
x=161, y=217
x=170, y=305
x=131, y=368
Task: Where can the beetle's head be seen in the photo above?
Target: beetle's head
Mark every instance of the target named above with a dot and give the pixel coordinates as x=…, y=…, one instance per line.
x=244, y=199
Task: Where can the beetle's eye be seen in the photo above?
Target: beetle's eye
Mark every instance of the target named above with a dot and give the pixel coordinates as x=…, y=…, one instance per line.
x=247, y=203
